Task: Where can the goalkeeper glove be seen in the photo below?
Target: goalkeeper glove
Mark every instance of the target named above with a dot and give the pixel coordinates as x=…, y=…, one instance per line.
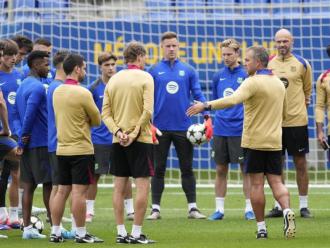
x=155, y=132
x=208, y=127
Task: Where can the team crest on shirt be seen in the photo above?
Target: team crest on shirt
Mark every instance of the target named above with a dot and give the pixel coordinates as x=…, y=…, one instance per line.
x=293, y=69
x=239, y=80
x=228, y=92
x=182, y=73
x=11, y=97
x=172, y=87
x=18, y=81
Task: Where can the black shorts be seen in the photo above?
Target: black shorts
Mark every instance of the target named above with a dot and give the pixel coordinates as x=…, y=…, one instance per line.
x=134, y=161
x=295, y=140
x=35, y=166
x=267, y=162
x=54, y=164
x=227, y=150
x=12, y=165
x=6, y=145
x=76, y=169
x=102, y=159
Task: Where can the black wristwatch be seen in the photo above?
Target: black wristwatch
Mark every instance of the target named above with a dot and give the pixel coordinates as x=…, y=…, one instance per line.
x=207, y=107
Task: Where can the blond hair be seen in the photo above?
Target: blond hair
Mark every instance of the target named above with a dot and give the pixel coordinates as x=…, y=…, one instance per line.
x=231, y=43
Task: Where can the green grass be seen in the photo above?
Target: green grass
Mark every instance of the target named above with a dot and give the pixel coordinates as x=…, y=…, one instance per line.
x=175, y=230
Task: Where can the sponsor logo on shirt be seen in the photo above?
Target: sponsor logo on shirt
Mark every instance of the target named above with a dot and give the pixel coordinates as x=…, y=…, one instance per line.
x=221, y=79
x=228, y=92
x=161, y=73
x=11, y=97
x=285, y=82
x=240, y=80
x=182, y=73
x=172, y=87
x=101, y=96
x=2, y=83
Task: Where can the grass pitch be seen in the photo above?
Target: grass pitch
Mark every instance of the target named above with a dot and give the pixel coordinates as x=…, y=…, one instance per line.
x=175, y=230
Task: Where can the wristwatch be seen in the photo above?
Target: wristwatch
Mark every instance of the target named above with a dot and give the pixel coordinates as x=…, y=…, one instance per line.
x=207, y=107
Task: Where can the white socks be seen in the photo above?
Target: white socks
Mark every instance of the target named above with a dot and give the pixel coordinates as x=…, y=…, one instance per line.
x=81, y=231
x=3, y=215
x=13, y=214
x=303, y=201
x=129, y=206
x=136, y=231
x=277, y=205
x=192, y=205
x=155, y=206
x=261, y=226
x=121, y=230
x=90, y=207
x=248, y=206
x=220, y=204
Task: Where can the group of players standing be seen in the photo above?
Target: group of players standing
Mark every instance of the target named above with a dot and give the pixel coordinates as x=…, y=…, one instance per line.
x=132, y=99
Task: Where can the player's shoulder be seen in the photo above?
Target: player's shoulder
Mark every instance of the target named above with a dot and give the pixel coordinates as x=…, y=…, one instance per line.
x=93, y=86
x=187, y=66
x=301, y=60
x=154, y=67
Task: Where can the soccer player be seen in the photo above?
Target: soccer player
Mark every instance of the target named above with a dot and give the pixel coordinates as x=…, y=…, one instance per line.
x=10, y=78
x=52, y=134
x=8, y=147
x=296, y=75
x=323, y=102
x=127, y=112
x=25, y=46
x=228, y=127
x=102, y=138
x=45, y=45
x=75, y=113
x=31, y=105
x=264, y=98
x=175, y=82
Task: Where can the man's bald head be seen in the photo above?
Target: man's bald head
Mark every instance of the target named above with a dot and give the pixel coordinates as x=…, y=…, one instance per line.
x=284, y=41
x=283, y=33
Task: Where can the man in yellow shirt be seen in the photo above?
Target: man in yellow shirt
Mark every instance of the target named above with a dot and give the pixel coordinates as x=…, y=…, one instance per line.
x=322, y=103
x=263, y=96
x=75, y=113
x=127, y=111
x=296, y=74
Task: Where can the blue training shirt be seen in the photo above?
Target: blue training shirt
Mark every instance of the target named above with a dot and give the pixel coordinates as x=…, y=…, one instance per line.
x=52, y=131
x=101, y=134
x=229, y=121
x=174, y=85
x=9, y=83
x=31, y=104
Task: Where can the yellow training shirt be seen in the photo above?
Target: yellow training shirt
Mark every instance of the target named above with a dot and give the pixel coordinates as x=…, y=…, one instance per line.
x=128, y=104
x=263, y=96
x=296, y=74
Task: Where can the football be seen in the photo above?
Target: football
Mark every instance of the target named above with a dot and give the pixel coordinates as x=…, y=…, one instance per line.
x=196, y=134
x=36, y=223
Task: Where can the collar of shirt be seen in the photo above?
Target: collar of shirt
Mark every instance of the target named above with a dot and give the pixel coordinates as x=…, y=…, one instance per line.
x=264, y=72
x=234, y=70
x=71, y=81
x=130, y=66
x=166, y=61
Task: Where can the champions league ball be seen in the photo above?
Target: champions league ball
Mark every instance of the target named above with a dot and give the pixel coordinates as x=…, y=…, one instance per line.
x=36, y=223
x=196, y=134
